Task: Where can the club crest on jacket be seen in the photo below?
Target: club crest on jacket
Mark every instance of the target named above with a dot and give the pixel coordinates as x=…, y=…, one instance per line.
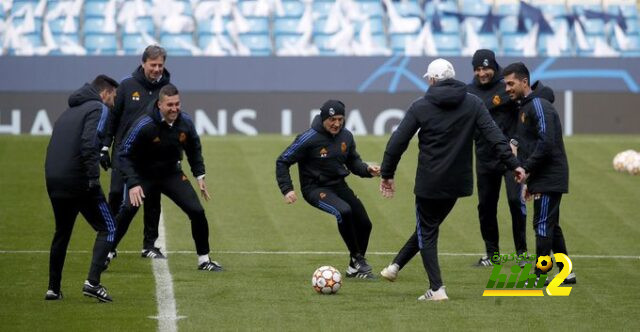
x=496, y=100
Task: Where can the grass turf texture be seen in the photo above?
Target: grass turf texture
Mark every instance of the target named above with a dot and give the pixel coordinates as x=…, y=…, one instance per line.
x=273, y=291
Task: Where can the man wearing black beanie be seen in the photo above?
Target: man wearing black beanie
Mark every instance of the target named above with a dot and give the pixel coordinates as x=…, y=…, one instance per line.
x=489, y=86
x=326, y=154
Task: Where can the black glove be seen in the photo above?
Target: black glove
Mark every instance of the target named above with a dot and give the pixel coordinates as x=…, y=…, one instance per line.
x=105, y=161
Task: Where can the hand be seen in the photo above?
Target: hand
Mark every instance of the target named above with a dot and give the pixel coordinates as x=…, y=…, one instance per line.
x=514, y=149
x=203, y=189
x=290, y=197
x=105, y=161
x=136, y=195
x=520, y=174
x=374, y=170
x=387, y=188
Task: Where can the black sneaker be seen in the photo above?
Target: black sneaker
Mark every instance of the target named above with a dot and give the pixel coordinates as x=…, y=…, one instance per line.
x=51, y=295
x=570, y=279
x=97, y=292
x=484, y=261
x=212, y=266
x=152, y=253
x=359, y=268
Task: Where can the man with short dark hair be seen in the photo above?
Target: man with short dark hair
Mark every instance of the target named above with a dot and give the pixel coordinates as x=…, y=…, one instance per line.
x=134, y=95
x=489, y=87
x=445, y=119
x=543, y=157
x=72, y=173
x=150, y=157
x=326, y=154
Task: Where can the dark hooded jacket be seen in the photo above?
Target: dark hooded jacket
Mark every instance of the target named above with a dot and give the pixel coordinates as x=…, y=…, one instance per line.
x=133, y=95
x=323, y=159
x=446, y=117
x=503, y=111
x=541, y=148
x=73, y=153
x=153, y=149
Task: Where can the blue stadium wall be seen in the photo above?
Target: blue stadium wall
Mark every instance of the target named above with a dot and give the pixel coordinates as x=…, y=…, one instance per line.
x=255, y=95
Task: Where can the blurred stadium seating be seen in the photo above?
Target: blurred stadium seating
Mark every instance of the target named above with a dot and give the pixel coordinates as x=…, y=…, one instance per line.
x=321, y=27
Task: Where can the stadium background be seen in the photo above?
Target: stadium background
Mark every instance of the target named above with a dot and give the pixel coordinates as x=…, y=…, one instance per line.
x=249, y=78
x=231, y=57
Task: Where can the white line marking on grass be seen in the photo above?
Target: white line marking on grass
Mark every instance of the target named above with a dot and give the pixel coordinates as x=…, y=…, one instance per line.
x=266, y=252
x=167, y=313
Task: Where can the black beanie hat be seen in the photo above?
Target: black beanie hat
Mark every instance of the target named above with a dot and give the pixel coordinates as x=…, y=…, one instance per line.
x=330, y=108
x=484, y=58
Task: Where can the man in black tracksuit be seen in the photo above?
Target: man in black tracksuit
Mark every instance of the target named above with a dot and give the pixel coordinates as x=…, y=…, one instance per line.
x=445, y=119
x=488, y=86
x=326, y=154
x=135, y=93
x=150, y=160
x=72, y=173
x=543, y=157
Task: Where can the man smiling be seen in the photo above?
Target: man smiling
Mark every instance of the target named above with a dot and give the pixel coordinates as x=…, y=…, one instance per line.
x=150, y=159
x=326, y=154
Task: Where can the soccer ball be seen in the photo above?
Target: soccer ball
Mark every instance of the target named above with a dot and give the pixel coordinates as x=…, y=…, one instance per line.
x=628, y=161
x=326, y=280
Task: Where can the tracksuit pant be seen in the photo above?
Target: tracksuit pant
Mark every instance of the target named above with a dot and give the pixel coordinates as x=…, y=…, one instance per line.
x=354, y=224
x=546, y=224
x=96, y=211
x=151, y=208
x=178, y=188
x=488, y=196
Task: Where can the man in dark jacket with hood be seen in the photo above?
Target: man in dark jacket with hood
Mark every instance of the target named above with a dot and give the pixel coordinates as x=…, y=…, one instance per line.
x=72, y=173
x=543, y=157
x=134, y=94
x=326, y=154
x=150, y=159
x=446, y=118
x=488, y=86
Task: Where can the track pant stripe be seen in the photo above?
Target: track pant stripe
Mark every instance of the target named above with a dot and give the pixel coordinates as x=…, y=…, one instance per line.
x=111, y=226
x=326, y=207
x=544, y=217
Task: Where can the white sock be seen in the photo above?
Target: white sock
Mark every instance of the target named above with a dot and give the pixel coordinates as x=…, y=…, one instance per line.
x=203, y=259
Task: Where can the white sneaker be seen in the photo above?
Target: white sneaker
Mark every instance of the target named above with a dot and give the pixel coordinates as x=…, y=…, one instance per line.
x=390, y=272
x=431, y=295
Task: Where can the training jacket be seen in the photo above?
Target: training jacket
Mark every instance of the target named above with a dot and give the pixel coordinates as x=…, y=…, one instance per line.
x=133, y=96
x=73, y=153
x=323, y=159
x=541, y=148
x=503, y=111
x=153, y=149
x=446, y=118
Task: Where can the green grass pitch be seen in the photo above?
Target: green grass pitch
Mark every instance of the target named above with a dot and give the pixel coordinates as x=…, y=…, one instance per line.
x=272, y=290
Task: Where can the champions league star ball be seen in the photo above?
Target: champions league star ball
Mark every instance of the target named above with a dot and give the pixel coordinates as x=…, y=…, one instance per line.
x=326, y=280
x=628, y=161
